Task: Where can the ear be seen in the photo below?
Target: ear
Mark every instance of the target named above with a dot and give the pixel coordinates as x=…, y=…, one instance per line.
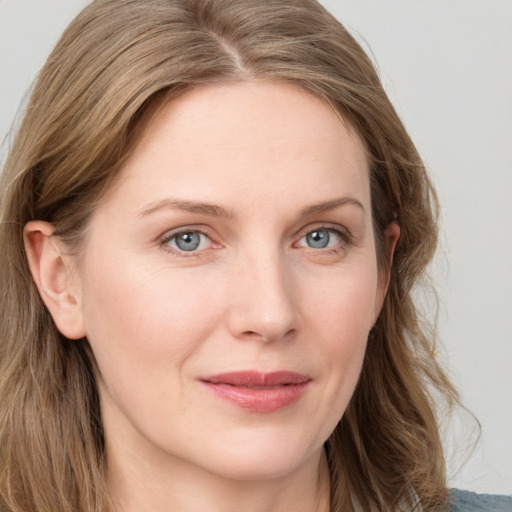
x=391, y=236
x=55, y=277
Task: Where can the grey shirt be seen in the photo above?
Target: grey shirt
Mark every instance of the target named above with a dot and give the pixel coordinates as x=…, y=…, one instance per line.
x=466, y=501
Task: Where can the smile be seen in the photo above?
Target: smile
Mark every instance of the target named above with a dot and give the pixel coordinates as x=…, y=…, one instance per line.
x=256, y=391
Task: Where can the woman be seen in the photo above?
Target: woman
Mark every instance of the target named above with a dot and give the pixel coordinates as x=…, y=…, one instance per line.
x=212, y=224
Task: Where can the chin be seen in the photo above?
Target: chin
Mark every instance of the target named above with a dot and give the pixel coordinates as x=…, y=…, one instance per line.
x=260, y=459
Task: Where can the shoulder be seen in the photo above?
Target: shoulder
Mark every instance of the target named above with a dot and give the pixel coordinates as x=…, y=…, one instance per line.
x=466, y=501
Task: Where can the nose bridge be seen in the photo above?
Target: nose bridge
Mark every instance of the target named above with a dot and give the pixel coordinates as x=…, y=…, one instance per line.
x=264, y=302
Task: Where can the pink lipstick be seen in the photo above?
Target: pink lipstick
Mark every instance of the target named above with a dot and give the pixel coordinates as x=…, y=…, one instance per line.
x=256, y=391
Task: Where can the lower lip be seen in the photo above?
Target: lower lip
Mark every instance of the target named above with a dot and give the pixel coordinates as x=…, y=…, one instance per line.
x=266, y=399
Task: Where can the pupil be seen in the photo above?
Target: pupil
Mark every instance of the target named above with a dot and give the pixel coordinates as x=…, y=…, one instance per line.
x=188, y=241
x=318, y=239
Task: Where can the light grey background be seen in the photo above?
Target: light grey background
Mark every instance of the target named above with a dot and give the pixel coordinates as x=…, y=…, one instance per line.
x=447, y=66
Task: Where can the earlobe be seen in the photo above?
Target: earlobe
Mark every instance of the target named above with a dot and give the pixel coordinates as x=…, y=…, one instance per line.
x=54, y=277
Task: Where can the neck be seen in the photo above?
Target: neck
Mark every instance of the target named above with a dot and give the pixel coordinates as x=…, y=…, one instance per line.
x=185, y=487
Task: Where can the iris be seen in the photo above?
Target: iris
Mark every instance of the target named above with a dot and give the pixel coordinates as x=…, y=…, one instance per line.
x=188, y=240
x=318, y=239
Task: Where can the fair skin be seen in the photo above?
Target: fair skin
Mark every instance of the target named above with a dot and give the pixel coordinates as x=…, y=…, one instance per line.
x=274, y=271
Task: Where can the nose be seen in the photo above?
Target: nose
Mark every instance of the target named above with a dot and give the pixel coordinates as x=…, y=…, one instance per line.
x=263, y=302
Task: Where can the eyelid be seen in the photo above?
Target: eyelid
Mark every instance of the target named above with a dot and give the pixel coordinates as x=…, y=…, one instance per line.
x=165, y=238
x=171, y=233
x=342, y=231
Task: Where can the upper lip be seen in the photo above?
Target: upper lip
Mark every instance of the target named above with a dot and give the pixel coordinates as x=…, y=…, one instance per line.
x=254, y=378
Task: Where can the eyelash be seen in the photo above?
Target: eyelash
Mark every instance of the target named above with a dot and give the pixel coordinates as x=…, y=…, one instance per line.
x=167, y=238
x=346, y=237
x=343, y=233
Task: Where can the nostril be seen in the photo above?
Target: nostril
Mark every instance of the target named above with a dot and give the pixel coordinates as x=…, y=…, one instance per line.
x=251, y=334
x=267, y=337
x=290, y=333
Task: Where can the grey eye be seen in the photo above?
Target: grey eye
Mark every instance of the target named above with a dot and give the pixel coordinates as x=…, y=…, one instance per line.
x=187, y=240
x=318, y=239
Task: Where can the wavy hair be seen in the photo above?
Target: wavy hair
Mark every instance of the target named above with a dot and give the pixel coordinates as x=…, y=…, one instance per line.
x=88, y=107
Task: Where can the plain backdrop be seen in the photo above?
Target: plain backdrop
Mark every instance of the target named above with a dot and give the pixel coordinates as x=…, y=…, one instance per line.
x=447, y=66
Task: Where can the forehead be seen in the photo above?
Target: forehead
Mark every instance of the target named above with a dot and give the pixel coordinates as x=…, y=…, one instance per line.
x=249, y=113
x=223, y=141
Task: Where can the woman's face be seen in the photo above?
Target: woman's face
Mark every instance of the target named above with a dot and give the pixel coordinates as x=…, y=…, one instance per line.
x=229, y=280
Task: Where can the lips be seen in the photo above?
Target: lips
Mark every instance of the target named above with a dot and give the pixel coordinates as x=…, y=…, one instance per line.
x=257, y=391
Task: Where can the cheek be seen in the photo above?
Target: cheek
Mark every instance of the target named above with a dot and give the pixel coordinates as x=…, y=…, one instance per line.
x=343, y=303
x=340, y=316
x=143, y=321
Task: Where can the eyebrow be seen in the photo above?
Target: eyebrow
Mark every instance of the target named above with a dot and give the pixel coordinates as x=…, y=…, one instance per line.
x=331, y=205
x=213, y=210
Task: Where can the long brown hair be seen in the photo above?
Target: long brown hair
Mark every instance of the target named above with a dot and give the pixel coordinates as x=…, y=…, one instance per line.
x=88, y=106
